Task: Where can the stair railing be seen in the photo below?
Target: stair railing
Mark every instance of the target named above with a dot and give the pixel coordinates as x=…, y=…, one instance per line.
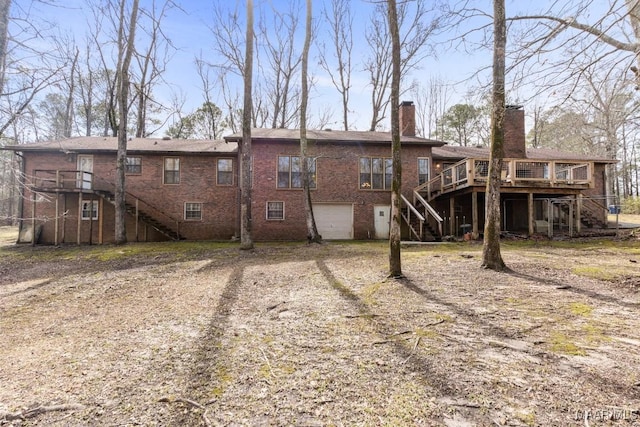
x=412, y=210
x=140, y=205
x=595, y=208
x=432, y=216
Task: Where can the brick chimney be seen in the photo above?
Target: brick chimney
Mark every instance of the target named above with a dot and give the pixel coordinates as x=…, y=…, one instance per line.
x=407, y=118
x=514, y=140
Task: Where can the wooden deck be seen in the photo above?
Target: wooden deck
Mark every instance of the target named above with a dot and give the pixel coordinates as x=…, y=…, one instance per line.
x=516, y=173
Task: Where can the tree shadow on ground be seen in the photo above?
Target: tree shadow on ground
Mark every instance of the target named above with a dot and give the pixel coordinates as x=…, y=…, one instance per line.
x=564, y=287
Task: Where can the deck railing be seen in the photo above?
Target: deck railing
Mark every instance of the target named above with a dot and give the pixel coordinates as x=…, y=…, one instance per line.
x=47, y=179
x=67, y=180
x=515, y=173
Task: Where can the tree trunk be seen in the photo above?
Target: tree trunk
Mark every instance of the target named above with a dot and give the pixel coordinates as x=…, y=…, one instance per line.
x=395, y=265
x=5, y=5
x=123, y=98
x=491, y=257
x=312, y=230
x=246, y=241
x=68, y=114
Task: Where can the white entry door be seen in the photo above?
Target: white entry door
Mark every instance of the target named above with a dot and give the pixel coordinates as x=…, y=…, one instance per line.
x=85, y=174
x=381, y=221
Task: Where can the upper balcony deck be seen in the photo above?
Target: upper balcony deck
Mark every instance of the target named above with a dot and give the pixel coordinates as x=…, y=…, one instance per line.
x=61, y=181
x=516, y=173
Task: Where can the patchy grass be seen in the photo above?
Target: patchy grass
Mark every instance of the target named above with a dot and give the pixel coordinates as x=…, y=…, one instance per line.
x=580, y=309
x=595, y=272
x=453, y=344
x=561, y=343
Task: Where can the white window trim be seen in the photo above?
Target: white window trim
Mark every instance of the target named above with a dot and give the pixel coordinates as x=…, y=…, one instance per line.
x=127, y=165
x=185, y=211
x=232, y=171
x=428, y=159
x=94, y=204
x=267, y=210
x=164, y=170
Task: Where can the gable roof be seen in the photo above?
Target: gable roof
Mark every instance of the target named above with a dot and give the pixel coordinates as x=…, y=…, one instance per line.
x=94, y=144
x=456, y=153
x=334, y=136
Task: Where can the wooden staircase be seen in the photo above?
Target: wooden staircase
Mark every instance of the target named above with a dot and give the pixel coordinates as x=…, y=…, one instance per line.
x=423, y=222
x=589, y=214
x=143, y=216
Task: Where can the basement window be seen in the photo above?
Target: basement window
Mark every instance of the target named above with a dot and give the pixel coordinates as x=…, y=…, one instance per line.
x=89, y=210
x=275, y=210
x=193, y=211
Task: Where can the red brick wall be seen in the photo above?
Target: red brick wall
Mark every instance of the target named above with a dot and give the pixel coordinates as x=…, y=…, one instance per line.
x=337, y=181
x=197, y=184
x=514, y=138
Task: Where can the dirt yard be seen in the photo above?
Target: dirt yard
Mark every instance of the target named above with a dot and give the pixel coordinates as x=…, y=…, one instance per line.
x=289, y=334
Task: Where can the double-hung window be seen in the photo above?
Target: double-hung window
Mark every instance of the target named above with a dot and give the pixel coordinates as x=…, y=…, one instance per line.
x=423, y=170
x=192, y=211
x=172, y=170
x=133, y=165
x=225, y=172
x=89, y=209
x=290, y=172
x=375, y=173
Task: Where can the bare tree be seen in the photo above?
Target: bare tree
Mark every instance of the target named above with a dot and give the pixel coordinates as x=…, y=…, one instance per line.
x=395, y=264
x=282, y=65
x=246, y=240
x=564, y=41
x=340, y=20
x=491, y=257
x=431, y=102
x=416, y=28
x=5, y=5
x=151, y=64
x=126, y=46
x=312, y=231
x=30, y=63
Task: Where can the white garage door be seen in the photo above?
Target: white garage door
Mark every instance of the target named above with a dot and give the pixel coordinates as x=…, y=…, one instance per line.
x=334, y=221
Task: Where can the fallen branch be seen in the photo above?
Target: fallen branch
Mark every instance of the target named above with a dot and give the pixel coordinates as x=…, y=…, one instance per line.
x=434, y=323
x=268, y=363
x=390, y=338
x=415, y=345
x=191, y=403
x=274, y=306
x=354, y=316
x=39, y=410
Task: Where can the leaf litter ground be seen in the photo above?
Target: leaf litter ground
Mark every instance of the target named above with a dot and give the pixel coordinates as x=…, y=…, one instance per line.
x=291, y=334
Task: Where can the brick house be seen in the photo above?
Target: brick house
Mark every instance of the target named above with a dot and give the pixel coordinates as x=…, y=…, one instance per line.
x=184, y=189
x=175, y=189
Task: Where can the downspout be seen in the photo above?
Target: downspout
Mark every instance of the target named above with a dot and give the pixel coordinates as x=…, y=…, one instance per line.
x=20, y=184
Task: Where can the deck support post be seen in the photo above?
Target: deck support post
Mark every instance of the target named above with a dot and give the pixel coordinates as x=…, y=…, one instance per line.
x=474, y=214
x=57, y=220
x=531, y=214
x=33, y=218
x=100, y=221
x=579, y=213
x=137, y=220
x=452, y=220
x=79, y=227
